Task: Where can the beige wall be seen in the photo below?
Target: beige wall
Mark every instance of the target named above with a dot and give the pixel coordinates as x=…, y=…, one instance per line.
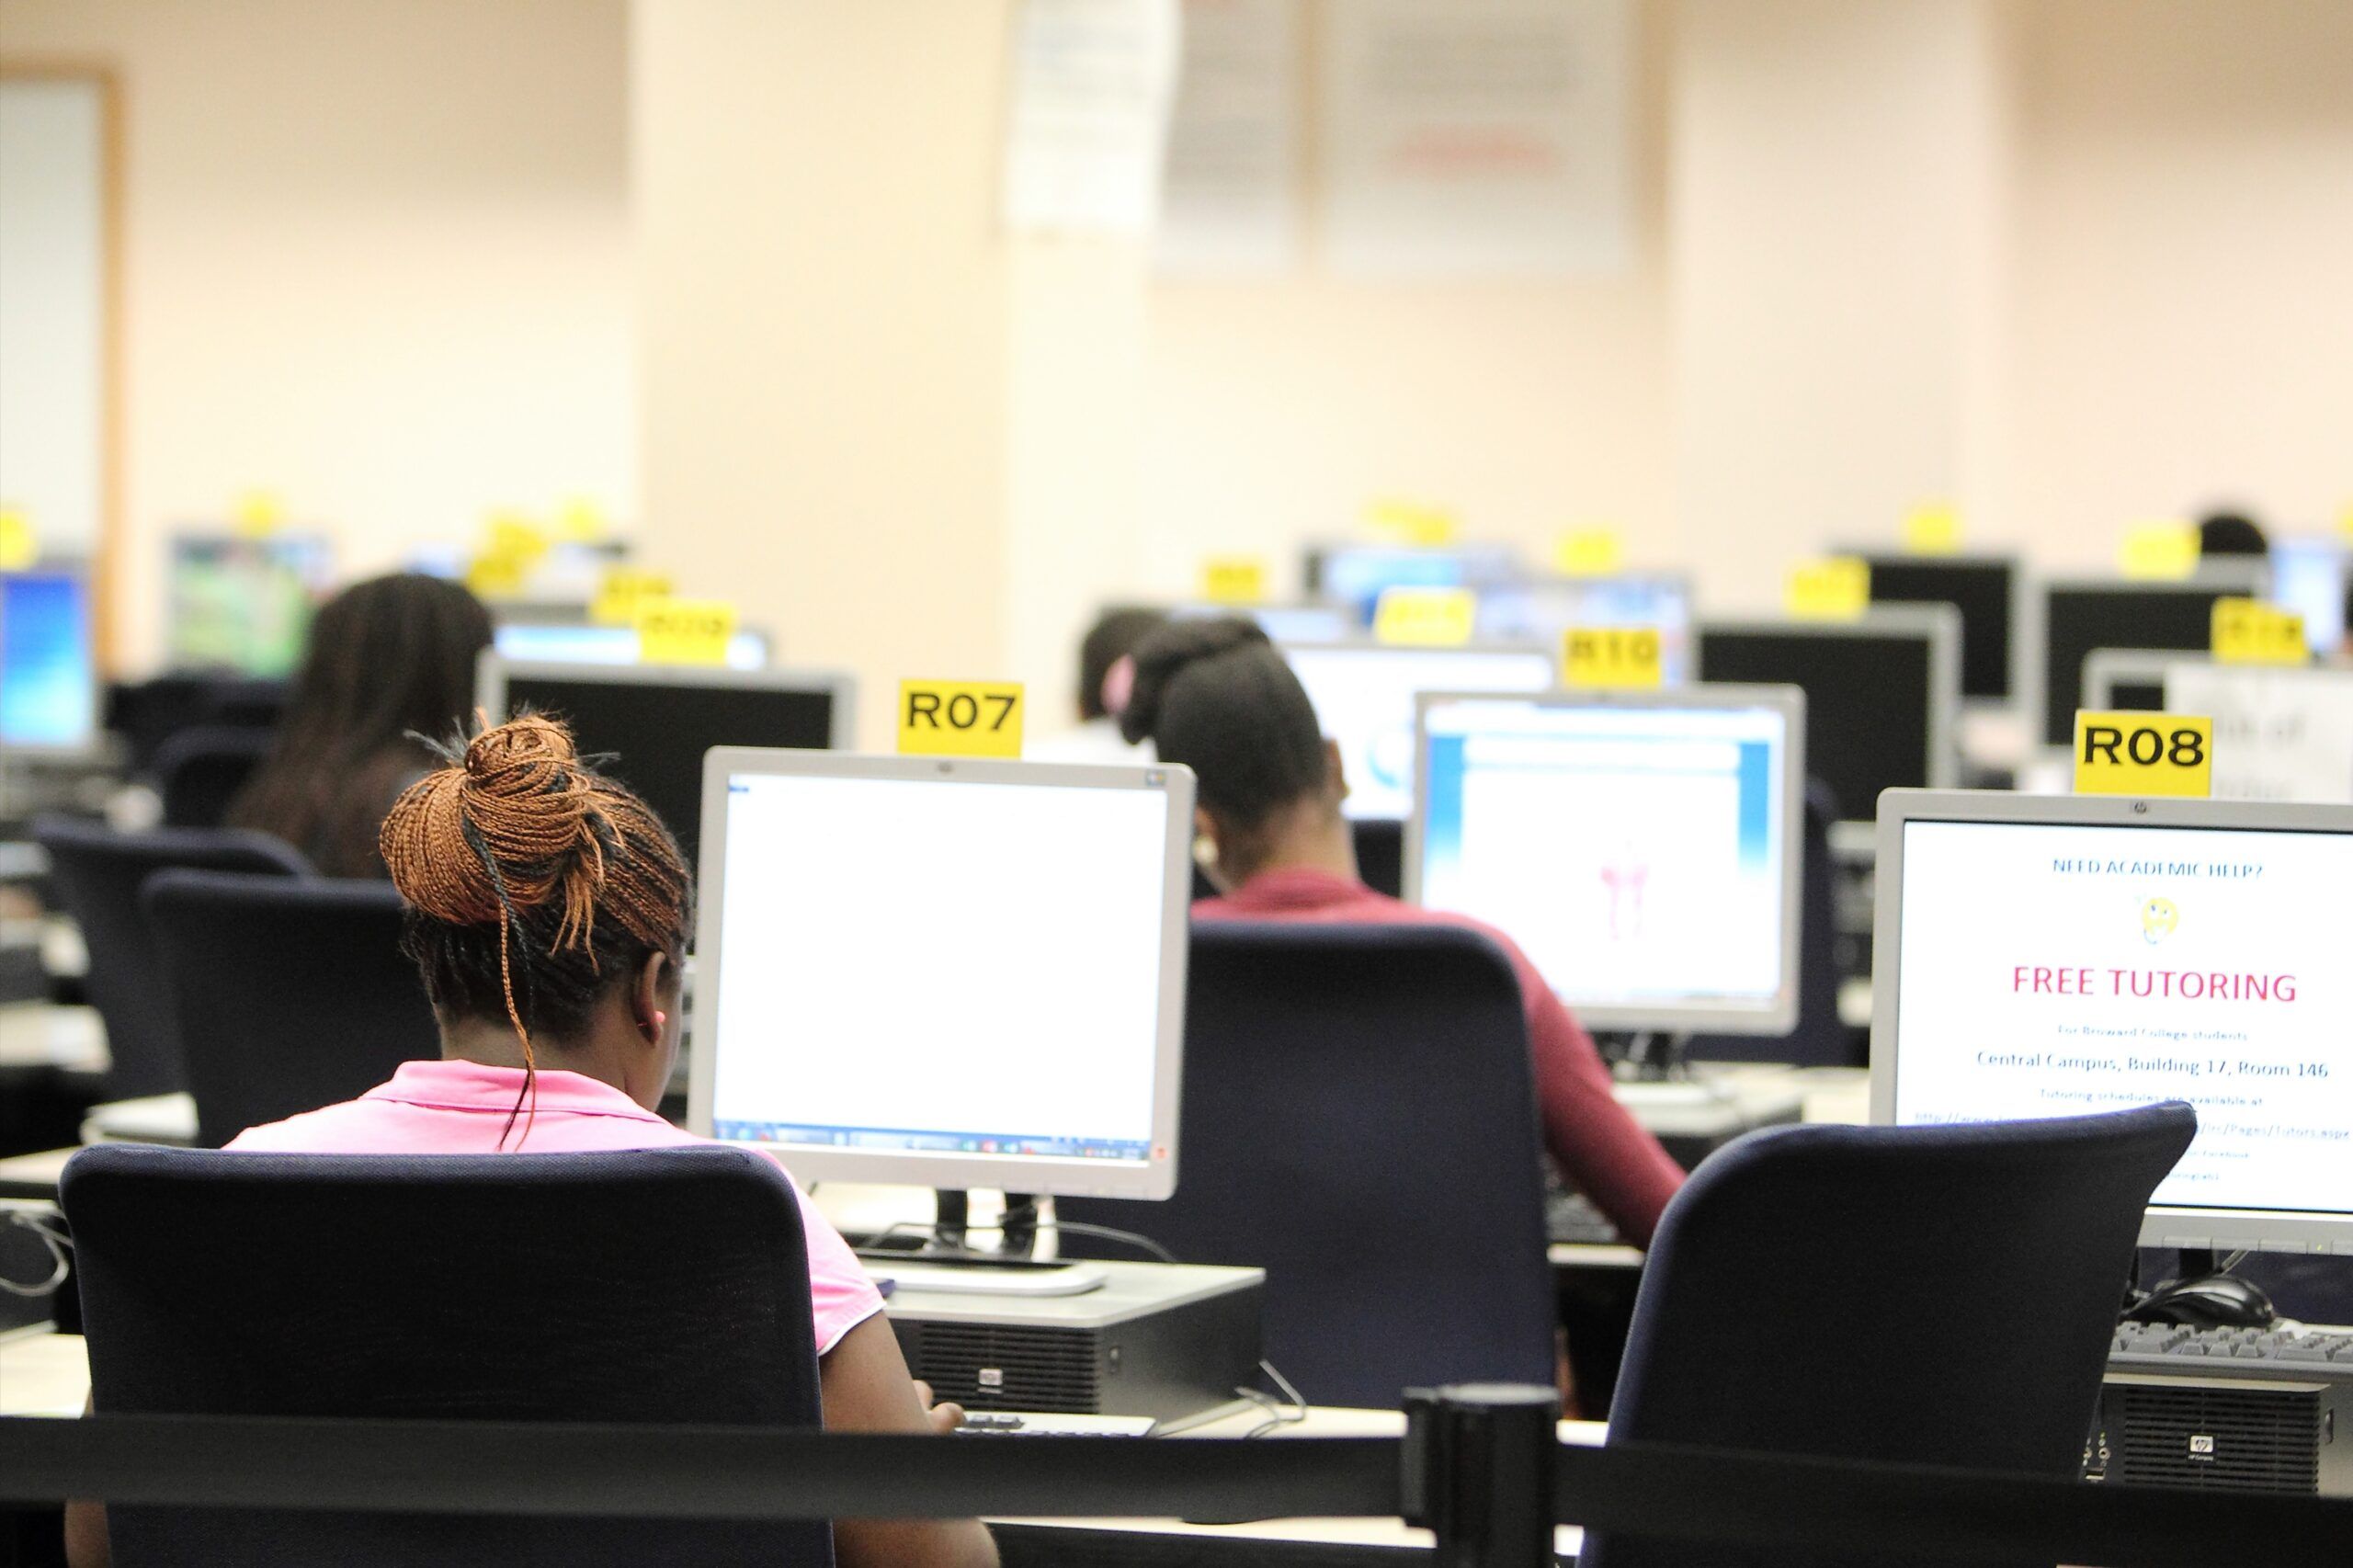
x=375, y=260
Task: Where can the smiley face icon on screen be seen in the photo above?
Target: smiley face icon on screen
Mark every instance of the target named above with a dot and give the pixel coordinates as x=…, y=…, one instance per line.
x=2158, y=918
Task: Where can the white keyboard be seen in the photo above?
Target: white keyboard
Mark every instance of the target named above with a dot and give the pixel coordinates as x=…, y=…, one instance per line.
x=1051, y=1424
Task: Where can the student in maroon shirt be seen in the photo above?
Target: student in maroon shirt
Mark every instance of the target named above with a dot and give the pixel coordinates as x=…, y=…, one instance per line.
x=1216, y=696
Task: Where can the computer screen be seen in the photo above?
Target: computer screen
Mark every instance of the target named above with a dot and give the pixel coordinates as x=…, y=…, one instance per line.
x=1542, y=609
x=945, y=973
x=653, y=724
x=1642, y=850
x=49, y=686
x=245, y=604
x=1880, y=693
x=1363, y=694
x=1984, y=588
x=2129, y=681
x=2057, y=956
x=1354, y=575
x=2079, y=617
x=2308, y=576
x=550, y=643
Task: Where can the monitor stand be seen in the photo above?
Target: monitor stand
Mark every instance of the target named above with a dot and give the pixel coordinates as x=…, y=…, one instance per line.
x=948, y=1264
x=1647, y=1056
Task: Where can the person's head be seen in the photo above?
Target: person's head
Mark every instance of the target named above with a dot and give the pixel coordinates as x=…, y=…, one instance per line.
x=1216, y=696
x=549, y=909
x=1102, y=659
x=2231, y=533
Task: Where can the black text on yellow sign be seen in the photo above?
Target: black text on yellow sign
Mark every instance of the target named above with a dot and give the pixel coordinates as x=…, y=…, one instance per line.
x=684, y=632
x=2144, y=753
x=1611, y=658
x=2249, y=632
x=959, y=717
x=1425, y=618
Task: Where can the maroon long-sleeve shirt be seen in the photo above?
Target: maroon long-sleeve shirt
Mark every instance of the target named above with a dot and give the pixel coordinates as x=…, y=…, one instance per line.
x=1598, y=1146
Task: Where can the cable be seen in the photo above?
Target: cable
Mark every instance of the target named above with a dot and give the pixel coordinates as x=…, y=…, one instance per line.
x=1277, y=1415
x=58, y=1242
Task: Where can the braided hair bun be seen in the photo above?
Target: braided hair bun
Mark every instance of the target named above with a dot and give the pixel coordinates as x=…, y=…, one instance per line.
x=1218, y=696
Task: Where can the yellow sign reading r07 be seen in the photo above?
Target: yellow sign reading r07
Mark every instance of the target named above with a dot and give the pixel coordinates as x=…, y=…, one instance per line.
x=942, y=718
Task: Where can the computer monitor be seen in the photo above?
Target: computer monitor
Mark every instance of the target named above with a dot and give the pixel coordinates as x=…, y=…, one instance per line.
x=1881, y=693
x=1284, y=623
x=49, y=683
x=2308, y=575
x=1986, y=589
x=948, y=974
x=2041, y=956
x=2129, y=681
x=245, y=604
x=1363, y=694
x=1642, y=848
x=1355, y=576
x=1542, y=609
x=582, y=643
x=2083, y=615
x=653, y=723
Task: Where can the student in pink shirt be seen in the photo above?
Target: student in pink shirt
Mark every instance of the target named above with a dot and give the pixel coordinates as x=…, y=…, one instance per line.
x=550, y=910
x=1217, y=696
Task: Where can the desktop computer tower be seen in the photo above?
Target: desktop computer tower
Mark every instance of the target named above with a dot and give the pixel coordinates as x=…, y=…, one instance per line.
x=2248, y=1428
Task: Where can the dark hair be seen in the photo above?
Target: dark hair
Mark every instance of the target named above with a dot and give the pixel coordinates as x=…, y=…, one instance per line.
x=535, y=886
x=1217, y=696
x=2231, y=533
x=388, y=659
x=1116, y=634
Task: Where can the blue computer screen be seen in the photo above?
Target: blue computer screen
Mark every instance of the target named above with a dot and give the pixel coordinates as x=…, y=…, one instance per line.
x=48, y=685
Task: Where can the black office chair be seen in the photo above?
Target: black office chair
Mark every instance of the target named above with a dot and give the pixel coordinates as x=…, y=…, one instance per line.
x=147, y=713
x=97, y=874
x=1359, y=1120
x=653, y=1286
x=1922, y=1295
x=1821, y=1037
x=287, y=995
x=197, y=772
x=1380, y=854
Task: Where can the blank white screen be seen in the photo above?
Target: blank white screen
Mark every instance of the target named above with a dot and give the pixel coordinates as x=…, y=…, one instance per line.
x=1364, y=700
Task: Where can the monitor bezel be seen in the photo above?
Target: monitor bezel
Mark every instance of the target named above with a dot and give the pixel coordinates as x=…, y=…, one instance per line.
x=92, y=745
x=2167, y=1226
x=1776, y=1017
x=1153, y=1180
x=2246, y=575
x=2021, y=661
x=494, y=670
x=766, y=643
x=2107, y=668
x=1939, y=623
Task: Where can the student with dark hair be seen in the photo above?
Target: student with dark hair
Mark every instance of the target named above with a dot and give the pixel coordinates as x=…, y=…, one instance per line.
x=1216, y=696
x=2223, y=535
x=388, y=659
x=549, y=912
x=1106, y=668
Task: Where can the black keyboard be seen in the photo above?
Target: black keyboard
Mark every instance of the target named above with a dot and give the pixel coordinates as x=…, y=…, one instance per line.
x=1570, y=1216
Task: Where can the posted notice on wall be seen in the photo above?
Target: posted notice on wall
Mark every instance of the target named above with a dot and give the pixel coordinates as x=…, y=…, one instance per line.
x=1229, y=198
x=2279, y=734
x=1477, y=137
x=1088, y=121
x=2059, y=970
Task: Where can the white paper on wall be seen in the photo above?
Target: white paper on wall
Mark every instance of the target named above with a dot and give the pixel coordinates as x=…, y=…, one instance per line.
x=1088, y=118
x=1230, y=198
x=2279, y=734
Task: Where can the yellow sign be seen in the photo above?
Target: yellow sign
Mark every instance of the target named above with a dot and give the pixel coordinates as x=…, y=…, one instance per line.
x=1412, y=522
x=1933, y=530
x=492, y=575
x=1233, y=580
x=1589, y=553
x=19, y=545
x=684, y=632
x=1426, y=617
x=959, y=717
x=580, y=521
x=259, y=514
x=2345, y=522
x=2249, y=632
x=2159, y=551
x=1837, y=587
x=2144, y=753
x=623, y=589
x=1611, y=658
x=513, y=534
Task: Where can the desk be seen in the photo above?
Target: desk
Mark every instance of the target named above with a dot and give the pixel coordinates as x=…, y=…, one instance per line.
x=42, y=1037
x=34, y=1176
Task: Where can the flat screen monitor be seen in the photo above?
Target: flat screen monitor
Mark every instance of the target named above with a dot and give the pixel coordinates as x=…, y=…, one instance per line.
x=2129, y=681
x=653, y=723
x=48, y=684
x=245, y=604
x=1642, y=849
x=1881, y=693
x=2082, y=616
x=940, y=972
x=1354, y=576
x=554, y=643
x=1542, y=610
x=1984, y=588
x=2308, y=576
x=1363, y=694
x=2041, y=956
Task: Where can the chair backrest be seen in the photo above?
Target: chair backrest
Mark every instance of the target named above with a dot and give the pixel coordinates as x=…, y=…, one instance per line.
x=147, y=713
x=1380, y=845
x=199, y=771
x=665, y=1285
x=287, y=995
x=1821, y=1039
x=1358, y=1119
x=97, y=874
x=1926, y=1295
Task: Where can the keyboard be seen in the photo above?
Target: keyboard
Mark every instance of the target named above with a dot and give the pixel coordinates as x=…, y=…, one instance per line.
x=1571, y=1217
x=1034, y=1424
x=2283, y=1348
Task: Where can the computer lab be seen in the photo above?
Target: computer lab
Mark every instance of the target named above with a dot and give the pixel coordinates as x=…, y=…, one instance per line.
x=1176, y=783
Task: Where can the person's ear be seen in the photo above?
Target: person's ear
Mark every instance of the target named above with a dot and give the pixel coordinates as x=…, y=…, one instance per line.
x=652, y=997
x=1336, y=772
x=1204, y=835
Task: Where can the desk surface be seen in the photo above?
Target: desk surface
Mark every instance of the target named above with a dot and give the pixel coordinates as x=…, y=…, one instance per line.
x=43, y=1035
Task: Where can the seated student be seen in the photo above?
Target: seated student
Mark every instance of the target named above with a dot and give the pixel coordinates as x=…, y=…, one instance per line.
x=549, y=914
x=1106, y=669
x=388, y=659
x=2224, y=535
x=1216, y=696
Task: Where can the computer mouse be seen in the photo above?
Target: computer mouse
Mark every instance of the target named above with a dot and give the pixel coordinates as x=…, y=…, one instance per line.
x=2217, y=1300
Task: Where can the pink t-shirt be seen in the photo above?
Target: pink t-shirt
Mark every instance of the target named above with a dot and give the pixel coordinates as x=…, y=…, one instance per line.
x=459, y=1108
